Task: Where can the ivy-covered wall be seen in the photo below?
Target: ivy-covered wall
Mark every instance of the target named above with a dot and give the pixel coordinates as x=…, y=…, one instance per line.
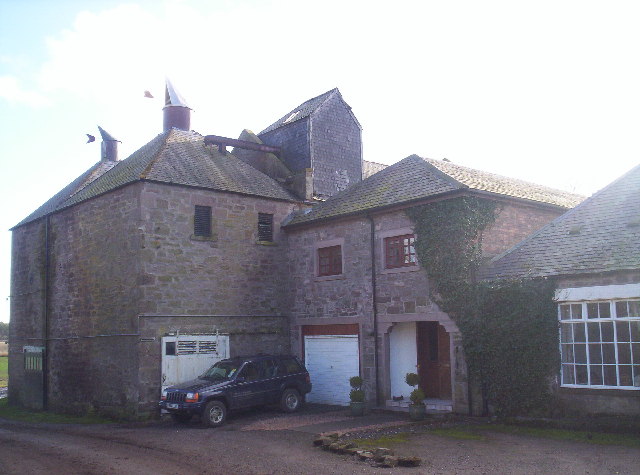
x=509, y=328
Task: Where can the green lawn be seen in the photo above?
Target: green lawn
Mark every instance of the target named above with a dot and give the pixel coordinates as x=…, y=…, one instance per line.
x=4, y=371
x=598, y=438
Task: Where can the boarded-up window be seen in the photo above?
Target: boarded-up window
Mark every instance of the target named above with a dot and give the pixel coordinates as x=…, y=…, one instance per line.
x=202, y=221
x=265, y=227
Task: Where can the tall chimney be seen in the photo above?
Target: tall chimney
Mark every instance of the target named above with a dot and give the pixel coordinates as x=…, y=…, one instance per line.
x=176, y=111
x=109, y=147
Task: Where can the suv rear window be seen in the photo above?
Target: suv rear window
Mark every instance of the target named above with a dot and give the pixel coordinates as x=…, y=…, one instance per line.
x=291, y=365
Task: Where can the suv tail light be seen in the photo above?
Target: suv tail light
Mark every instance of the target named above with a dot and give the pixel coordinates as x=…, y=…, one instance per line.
x=307, y=378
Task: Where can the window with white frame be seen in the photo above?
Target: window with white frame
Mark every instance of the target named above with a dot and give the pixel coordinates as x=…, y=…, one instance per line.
x=600, y=343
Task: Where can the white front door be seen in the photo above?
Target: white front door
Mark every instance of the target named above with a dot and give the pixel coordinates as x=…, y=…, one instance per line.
x=331, y=360
x=185, y=357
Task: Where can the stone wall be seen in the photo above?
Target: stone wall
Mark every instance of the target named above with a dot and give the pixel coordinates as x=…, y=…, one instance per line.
x=401, y=293
x=93, y=304
x=230, y=273
x=90, y=303
x=26, y=326
x=515, y=222
x=230, y=282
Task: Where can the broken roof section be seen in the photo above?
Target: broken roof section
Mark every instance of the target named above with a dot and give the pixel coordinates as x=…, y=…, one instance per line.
x=602, y=234
x=175, y=157
x=306, y=109
x=415, y=178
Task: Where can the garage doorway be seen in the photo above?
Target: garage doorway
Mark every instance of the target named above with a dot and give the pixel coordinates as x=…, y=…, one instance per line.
x=331, y=359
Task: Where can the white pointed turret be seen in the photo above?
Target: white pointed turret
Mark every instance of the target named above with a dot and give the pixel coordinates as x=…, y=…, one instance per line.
x=176, y=111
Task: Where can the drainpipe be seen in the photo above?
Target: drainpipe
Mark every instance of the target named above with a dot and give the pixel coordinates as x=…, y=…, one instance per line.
x=375, y=308
x=45, y=330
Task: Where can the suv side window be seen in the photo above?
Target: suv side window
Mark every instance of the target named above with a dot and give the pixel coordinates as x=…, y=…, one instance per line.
x=290, y=366
x=249, y=372
x=267, y=368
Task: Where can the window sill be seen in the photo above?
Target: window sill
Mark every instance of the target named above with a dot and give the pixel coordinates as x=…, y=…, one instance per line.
x=576, y=389
x=400, y=270
x=266, y=243
x=212, y=238
x=322, y=278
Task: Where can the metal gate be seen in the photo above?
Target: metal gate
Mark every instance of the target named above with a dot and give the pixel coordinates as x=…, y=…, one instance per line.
x=185, y=357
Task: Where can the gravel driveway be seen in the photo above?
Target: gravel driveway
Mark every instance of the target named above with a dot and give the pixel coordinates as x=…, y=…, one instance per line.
x=268, y=442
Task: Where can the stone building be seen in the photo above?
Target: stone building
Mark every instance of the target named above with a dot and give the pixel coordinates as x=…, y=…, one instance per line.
x=360, y=300
x=142, y=270
x=593, y=253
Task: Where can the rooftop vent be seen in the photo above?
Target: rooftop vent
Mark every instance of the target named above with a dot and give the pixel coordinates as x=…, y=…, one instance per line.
x=176, y=111
x=109, y=147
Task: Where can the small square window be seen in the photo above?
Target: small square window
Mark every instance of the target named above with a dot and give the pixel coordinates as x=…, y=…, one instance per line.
x=400, y=251
x=265, y=227
x=330, y=261
x=202, y=221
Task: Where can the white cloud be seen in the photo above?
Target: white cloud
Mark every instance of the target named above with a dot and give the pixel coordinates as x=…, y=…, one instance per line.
x=12, y=91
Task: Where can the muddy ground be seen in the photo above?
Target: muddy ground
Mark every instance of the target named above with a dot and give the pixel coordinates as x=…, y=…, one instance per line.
x=269, y=442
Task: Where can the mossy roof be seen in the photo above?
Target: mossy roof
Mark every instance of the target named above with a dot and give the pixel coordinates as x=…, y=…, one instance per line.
x=415, y=178
x=174, y=157
x=602, y=234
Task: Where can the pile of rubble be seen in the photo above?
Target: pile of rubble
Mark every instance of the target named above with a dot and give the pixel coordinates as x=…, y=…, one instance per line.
x=378, y=457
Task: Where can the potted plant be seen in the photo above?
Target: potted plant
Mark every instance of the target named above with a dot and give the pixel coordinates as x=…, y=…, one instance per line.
x=357, y=396
x=417, y=409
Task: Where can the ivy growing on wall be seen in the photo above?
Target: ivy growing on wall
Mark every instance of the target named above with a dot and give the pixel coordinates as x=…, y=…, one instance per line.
x=508, y=328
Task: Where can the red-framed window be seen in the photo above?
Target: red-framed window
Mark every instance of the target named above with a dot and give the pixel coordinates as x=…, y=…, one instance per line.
x=330, y=260
x=399, y=251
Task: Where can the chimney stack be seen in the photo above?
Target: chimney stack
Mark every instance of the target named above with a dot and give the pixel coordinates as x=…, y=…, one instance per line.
x=109, y=147
x=176, y=111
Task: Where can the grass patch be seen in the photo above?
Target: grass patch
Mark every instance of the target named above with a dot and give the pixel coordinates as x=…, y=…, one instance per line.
x=24, y=415
x=475, y=432
x=598, y=438
x=464, y=433
x=4, y=371
x=382, y=441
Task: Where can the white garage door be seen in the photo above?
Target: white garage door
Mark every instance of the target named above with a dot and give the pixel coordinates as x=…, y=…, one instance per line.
x=331, y=360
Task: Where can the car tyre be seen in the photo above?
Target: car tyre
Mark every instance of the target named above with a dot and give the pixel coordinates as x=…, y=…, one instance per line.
x=181, y=417
x=215, y=414
x=290, y=401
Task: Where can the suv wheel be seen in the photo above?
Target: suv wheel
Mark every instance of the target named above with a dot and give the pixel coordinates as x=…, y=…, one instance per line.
x=290, y=400
x=215, y=414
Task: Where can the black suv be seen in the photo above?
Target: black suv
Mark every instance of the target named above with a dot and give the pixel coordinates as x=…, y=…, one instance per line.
x=237, y=383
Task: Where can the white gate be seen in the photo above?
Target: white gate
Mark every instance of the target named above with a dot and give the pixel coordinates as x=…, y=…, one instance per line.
x=185, y=357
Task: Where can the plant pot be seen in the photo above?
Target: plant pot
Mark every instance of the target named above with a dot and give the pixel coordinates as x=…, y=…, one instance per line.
x=417, y=412
x=357, y=408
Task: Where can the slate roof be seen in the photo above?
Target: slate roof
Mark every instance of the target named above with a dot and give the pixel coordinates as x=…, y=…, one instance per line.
x=175, y=157
x=415, y=178
x=303, y=110
x=602, y=234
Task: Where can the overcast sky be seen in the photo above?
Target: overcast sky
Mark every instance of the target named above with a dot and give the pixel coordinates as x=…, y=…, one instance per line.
x=546, y=91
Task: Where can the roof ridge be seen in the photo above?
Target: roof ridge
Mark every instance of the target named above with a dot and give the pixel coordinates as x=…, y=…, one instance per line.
x=289, y=117
x=442, y=173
